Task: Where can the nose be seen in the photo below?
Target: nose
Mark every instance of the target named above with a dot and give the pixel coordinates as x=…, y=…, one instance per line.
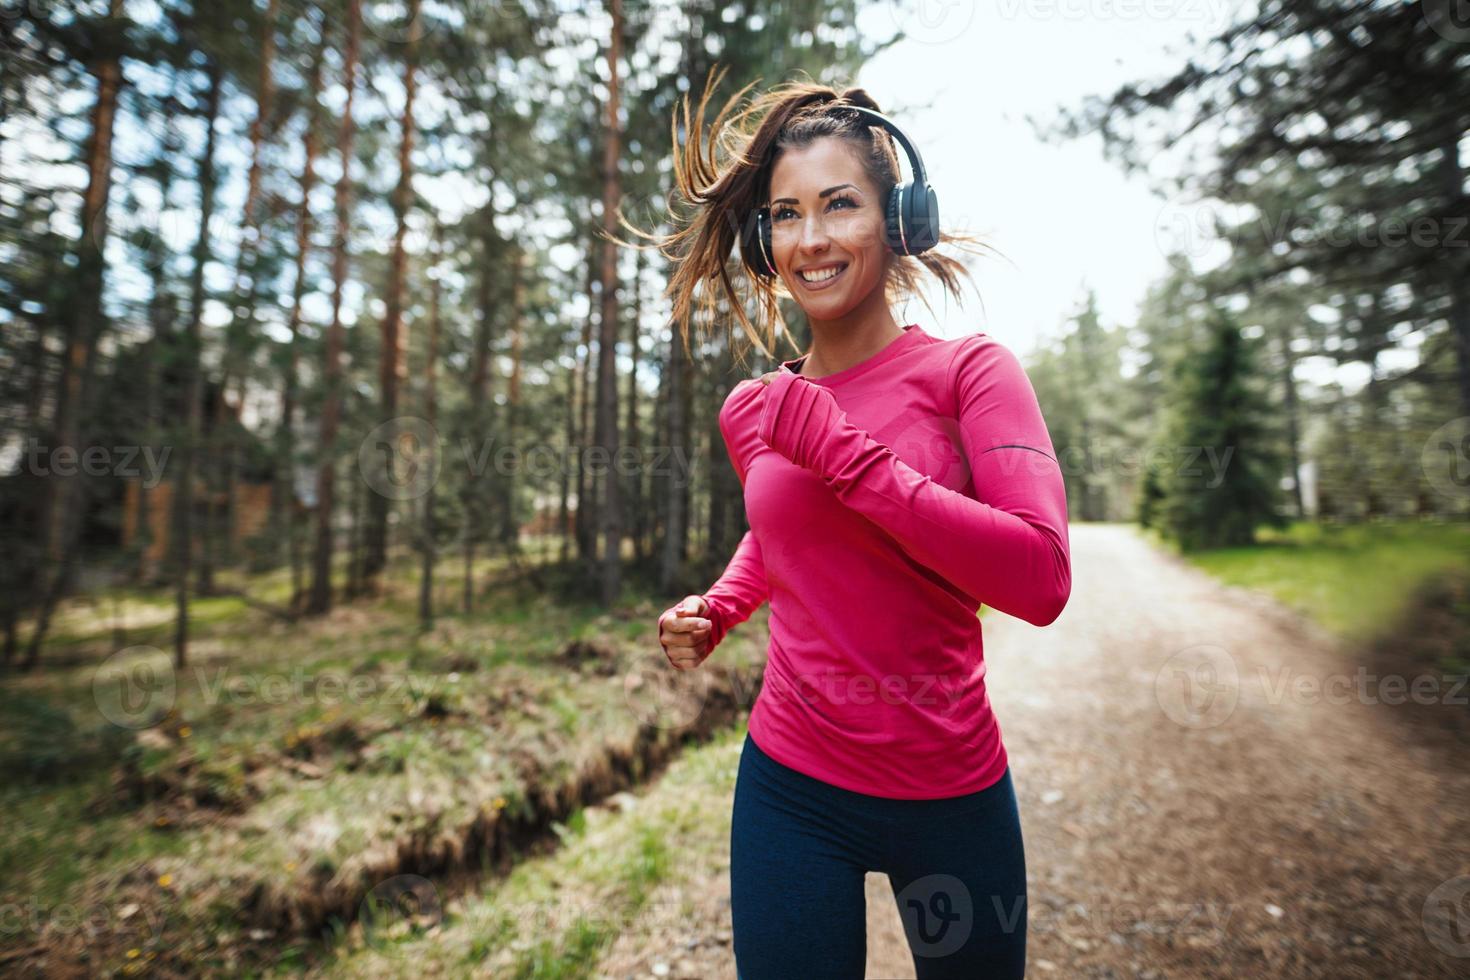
x=814, y=238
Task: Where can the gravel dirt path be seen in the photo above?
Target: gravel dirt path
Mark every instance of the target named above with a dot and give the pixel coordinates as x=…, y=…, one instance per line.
x=1208, y=786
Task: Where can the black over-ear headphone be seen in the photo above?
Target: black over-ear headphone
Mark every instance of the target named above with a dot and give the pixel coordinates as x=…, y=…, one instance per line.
x=912, y=222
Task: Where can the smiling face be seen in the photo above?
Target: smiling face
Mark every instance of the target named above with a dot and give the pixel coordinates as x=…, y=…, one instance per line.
x=827, y=228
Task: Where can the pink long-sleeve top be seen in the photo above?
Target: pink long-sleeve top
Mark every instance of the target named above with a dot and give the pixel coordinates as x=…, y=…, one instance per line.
x=887, y=502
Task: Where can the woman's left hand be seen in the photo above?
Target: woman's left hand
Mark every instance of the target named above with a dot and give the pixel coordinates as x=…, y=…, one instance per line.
x=797, y=425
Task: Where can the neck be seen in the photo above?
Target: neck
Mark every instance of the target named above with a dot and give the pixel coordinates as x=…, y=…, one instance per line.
x=851, y=339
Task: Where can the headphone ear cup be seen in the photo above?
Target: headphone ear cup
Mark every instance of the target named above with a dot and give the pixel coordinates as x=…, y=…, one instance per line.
x=768, y=251
x=755, y=245
x=923, y=228
x=893, y=226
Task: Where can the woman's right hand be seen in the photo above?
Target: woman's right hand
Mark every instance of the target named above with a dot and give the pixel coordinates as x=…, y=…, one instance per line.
x=684, y=632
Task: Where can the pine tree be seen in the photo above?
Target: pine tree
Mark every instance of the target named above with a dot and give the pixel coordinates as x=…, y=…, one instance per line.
x=1224, y=476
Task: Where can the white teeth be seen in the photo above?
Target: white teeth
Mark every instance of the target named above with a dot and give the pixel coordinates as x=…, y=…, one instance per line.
x=821, y=274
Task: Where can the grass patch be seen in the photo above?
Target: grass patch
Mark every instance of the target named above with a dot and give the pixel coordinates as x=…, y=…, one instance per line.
x=558, y=916
x=1352, y=579
x=295, y=758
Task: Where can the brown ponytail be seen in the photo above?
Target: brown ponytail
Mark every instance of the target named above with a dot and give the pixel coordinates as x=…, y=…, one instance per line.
x=722, y=174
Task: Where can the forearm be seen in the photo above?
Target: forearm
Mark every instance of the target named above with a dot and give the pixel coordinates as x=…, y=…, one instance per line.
x=1016, y=561
x=1006, y=548
x=739, y=591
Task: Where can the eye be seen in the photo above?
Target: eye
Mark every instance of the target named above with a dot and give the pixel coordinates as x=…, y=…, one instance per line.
x=842, y=199
x=779, y=212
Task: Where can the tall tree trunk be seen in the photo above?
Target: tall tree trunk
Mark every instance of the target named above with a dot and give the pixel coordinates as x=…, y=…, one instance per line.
x=355, y=541
x=1293, y=426
x=676, y=531
x=1452, y=184
x=161, y=314
x=151, y=355
x=391, y=359
x=586, y=542
x=39, y=363
x=207, y=463
x=635, y=482
x=183, y=491
x=21, y=540
x=480, y=424
x=60, y=517
x=607, y=389
x=431, y=415
x=565, y=469
x=25, y=541
x=657, y=501
x=679, y=383
x=509, y=530
x=721, y=537
x=245, y=287
x=574, y=430
x=326, y=484
x=226, y=442
x=285, y=517
x=1373, y=396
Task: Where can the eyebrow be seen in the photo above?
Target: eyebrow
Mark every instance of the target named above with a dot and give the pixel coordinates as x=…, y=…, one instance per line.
x=792, y=200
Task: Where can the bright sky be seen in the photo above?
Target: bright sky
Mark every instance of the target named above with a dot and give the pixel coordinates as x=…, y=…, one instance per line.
x=1063, y=216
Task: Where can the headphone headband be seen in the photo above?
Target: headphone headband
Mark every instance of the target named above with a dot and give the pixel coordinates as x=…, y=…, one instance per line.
x=916, y=164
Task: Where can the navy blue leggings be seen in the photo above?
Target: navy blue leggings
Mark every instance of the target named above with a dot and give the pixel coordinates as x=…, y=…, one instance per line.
x=799, y=850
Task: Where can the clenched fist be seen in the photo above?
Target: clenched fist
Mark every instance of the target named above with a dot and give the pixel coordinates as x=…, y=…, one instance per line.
x=684, y=632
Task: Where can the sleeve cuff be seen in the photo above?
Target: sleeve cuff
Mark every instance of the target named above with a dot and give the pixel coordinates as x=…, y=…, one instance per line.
x=716, y=617
x=796, y=418
x=776, y=393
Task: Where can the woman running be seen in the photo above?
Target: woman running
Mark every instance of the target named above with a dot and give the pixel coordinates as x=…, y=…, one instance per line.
x=894, y=481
